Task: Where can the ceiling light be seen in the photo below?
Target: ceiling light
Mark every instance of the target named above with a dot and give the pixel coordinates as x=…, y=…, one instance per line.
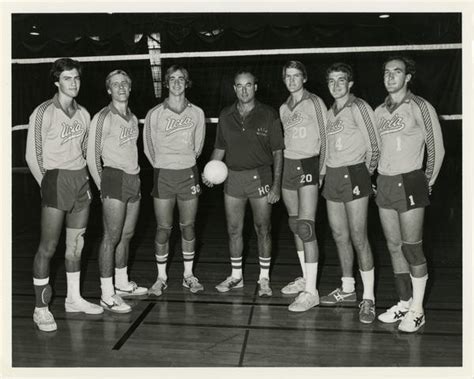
x=384, y=16
x=34, y=31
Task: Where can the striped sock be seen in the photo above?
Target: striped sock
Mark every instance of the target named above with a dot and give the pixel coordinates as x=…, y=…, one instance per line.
x=264, y=267
x=236, y=267
x=188, y=260
x=161, y=261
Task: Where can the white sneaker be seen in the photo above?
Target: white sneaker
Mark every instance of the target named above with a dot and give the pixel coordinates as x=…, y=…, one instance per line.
x=82, y=305
x=130, y=290
x=412, y=322
x=44, y=320
x=294, y=287
x=394, y=314
x=264, y=289
x=158, y=288
x=229, y=284
x=193, y=284
x=303, y=302
x=115, y=304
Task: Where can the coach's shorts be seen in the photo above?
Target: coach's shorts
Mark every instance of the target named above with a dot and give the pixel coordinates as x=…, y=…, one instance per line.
x=347, y=183
x=245, y=184
x=300, y=172
x=183, y=184
x=117, y=184
x=67, y=190
x=403, y=192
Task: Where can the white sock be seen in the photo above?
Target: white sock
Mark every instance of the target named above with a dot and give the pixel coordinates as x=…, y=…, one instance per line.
x=368, y=282
x=161, y=261
x=348, y=284
x=236, y=267
x=188, y=260
x=419, y=285
x=107, y=288
x=264, y=267
x=121, y=277
x=311, y=277
x=73, y=285
x=302, y=263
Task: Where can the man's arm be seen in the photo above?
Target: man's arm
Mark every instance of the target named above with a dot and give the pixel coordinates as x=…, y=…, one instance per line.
x=275, y=192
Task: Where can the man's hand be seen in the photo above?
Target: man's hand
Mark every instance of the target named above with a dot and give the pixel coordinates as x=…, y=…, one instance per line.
x=273, y=195
x=205, y=181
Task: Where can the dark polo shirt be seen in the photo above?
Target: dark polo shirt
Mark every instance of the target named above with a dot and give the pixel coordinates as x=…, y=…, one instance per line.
x=249, y=142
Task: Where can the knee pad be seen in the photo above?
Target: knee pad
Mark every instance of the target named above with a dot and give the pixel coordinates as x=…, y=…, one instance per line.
x=163, y=233
x=306, y=230
x=187, y=231
x=74, y=243
x=292, y=224
x=413, y=253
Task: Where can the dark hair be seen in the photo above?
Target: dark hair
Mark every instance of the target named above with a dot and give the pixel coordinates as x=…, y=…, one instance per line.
x=297, y=65
x=341, y=67
x=116, y=72
x=64, y=64
x=410, y=65
x=175, y=68
x=246, y=71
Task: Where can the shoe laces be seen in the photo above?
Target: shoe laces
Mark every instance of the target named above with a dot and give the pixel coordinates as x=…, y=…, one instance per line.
x=117, y=300
x=264, y=284
x=45, y=315
x=192, y=280
x=365, y=306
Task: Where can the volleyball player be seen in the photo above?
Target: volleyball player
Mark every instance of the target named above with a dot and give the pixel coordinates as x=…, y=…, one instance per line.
x=55, y=153
x=112, y=158
x=173, y=139
x=407, y=125
x=249, y=136
x=353, y=153
x=304, y=118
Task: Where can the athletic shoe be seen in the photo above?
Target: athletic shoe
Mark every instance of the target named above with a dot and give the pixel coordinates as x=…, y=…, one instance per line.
x=393, y=314
x=230, y=283
x=264, y=289
x=158, y=288
x=367, y=311
x=295, y=287
x=130, y=290
x=303, y=302
x=339, y=297
x=412, y=321
x=116, y=305
x=193, y=284
x=44, y=320
x=82, y=305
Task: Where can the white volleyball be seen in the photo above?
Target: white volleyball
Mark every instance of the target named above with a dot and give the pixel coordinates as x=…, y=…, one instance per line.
x=215, y=171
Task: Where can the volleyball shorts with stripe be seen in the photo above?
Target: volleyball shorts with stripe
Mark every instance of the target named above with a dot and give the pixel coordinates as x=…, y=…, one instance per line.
x=298, y=173
x=117, y=184
x=67, y=190
x=245, y=184
x=403, y=192
x=347, y=183
x=182, y=184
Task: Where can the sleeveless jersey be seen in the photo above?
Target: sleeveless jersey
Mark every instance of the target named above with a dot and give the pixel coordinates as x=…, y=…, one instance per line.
x=405, y=129
x=304, y=127
x=112, y=139
x=174, y=140
x=55, y=140
x=352, y=135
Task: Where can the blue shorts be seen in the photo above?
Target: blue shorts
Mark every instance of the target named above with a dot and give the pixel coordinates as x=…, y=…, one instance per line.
x=347, y=183
x=117, y=184
x=246, y=184
x=300, y=172
x=182, y=184
x=403, y=192
x=67, y=190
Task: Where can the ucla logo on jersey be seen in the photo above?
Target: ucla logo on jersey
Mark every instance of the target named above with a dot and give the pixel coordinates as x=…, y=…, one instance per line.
x=128, y=134
x=70, y=132
x=292, y=120
x=334, y=127
x=262, y=132
x=395, y=124
x=175, y=125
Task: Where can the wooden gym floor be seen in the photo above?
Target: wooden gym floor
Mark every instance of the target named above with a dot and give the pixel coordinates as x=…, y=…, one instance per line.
x=237, y=329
